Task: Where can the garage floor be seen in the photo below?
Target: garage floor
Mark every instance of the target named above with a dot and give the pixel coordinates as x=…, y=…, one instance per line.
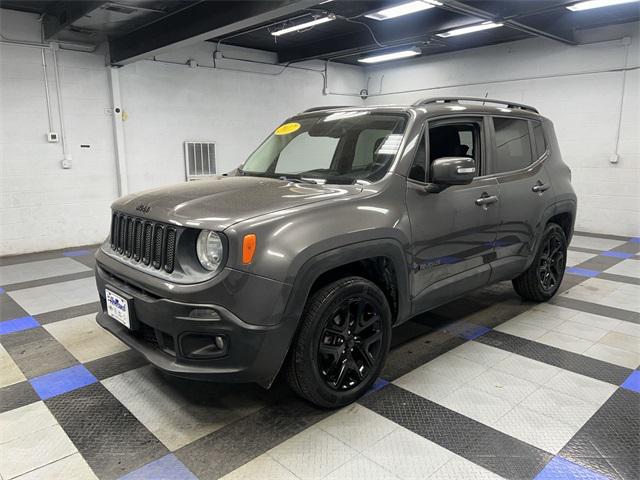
x=487, y=386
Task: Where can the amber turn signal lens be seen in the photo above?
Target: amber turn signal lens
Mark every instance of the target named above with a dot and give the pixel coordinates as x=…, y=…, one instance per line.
x=248, y=248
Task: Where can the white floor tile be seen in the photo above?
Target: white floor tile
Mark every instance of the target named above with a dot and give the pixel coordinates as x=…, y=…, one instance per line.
x=459, y=468
x=536, y=429
x=584, y=388
x=428, y=383
x=360, y=468
x=628, y=328
x=614, y=355
x=565, y=342
x=35, y=450
x=560, y=406
x=477, y=404
x=480, y=353
x=261, y=467
x=312, y=454
x=357, y=426
x=621, y=341
x=56, y=296
x=408, y=455
x=24, y=421
x=580, y=330
x=628, y=268
x=595, y=243
x=10, y=373
x=84, y=338
x=26, y=272
x=175, y=419
x=574, y=258
x=71, y=467
x=539, y=319
x=527, y=369
x=455, y=368
x=503, y=385
x=598, y=321
x=520, y=329
x=555, y=311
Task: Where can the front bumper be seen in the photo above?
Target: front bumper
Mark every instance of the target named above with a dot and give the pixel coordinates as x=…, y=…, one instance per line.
x=160, y=327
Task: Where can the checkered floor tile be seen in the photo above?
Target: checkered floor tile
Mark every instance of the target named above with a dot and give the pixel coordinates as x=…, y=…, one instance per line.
x=486, y=387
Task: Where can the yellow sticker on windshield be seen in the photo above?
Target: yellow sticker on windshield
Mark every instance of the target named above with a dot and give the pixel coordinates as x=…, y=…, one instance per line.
x=287, y=128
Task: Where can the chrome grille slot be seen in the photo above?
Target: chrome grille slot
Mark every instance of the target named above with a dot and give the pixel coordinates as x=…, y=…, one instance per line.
x=144, y=241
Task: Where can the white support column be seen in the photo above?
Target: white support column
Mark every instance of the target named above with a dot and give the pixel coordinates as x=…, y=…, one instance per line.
x=118, y=130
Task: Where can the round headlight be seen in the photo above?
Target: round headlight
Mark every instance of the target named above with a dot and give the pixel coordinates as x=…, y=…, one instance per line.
x=209, y=249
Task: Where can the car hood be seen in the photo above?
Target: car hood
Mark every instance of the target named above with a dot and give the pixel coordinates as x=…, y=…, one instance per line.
x=220, y=202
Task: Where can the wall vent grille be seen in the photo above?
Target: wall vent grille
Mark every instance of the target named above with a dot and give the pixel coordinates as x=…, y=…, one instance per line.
x=199, y=160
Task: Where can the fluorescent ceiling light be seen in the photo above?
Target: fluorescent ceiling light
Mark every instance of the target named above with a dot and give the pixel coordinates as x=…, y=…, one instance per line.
x=474, y=28
x=589, y=4
x=403, y=9
x=302, y=26
x=391, y=56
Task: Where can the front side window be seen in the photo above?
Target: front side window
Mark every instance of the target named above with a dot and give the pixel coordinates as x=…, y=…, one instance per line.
x=337, y=147
x=513, y=144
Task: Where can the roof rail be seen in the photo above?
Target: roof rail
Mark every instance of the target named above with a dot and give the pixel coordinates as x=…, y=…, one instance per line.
x=426, y=101
x=326, y=107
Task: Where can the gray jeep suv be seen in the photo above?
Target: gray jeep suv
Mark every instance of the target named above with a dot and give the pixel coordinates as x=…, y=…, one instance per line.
x=344, y=223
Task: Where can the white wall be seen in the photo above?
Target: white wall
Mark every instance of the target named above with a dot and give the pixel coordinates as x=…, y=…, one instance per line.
x=584, y=107
x=45, y=207
x=167, y=104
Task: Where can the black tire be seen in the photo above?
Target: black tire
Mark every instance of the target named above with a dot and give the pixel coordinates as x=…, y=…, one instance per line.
x=347, y=322
x=543, y=277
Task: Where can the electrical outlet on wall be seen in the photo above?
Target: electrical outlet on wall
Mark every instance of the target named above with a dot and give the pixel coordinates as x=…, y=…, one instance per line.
x=66, y=162
x=52, y=137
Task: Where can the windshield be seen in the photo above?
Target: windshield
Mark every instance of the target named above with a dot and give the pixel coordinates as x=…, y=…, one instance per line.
x=338, y=147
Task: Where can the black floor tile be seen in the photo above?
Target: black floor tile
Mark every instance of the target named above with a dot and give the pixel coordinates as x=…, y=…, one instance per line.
x=619, y=278
x=597, y=309
x=629, y=247
x=224, y=450
x=573, y=362
x=36, y=352
x=599, y=263
x=610, y=440
x=16, y=396
x=67, y=313
x=115, y=364
x=9, y=308
x=607, y=236
x=109, y=437
x=493, y=450
x=47, y=281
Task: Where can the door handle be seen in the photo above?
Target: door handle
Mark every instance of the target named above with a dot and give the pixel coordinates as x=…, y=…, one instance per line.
x=540, y=187
x=486, y=200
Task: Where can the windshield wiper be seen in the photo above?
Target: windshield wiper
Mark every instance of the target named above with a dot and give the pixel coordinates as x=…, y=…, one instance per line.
x=298, y=179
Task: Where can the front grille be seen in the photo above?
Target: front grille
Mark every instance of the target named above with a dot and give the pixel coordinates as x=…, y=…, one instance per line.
x=146, y=241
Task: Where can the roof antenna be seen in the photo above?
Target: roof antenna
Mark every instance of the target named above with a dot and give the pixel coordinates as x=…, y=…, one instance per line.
x=486, y=94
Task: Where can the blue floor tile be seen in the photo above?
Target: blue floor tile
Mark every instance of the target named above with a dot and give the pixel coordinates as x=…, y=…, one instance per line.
x=474, y=331
x=1, y=290
x=632, y=382
x=611, y=253
x=77, y=253
x=561, y=469
x=583, y=272
x=166, y=468
x=378, y=384
x=18, y=324
x=62, y=381
x=634, y=239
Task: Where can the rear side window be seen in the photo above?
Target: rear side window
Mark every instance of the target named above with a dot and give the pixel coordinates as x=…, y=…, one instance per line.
x=513, y=144
x=538, y=136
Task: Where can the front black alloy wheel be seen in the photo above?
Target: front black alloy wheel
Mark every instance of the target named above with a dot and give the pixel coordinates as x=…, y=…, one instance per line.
x=350, y=343
x=342, y=343
x=543, y=278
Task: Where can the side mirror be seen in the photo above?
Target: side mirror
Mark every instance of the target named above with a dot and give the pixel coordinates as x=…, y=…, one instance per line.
x=447, y=171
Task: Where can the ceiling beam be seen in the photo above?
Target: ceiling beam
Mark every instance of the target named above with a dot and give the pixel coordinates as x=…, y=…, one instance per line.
x=419, y=28
x=514, y=22
x=60, y=15
x=202, y=21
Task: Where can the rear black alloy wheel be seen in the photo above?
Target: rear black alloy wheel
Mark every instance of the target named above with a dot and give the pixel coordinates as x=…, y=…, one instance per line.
x=543, y=278
x=350, y=344
x=342, y=342
x=551, y=262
